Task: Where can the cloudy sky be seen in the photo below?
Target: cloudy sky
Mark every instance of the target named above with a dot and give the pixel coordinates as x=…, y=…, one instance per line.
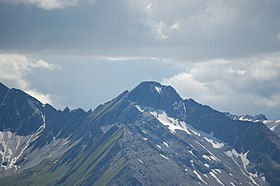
x=81, y=53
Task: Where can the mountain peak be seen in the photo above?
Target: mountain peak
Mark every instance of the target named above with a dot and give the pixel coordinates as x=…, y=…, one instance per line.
x=154, y=95
x=153, y=86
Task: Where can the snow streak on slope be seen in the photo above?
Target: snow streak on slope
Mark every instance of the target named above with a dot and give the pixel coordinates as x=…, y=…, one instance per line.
x=164, y=156
x=174, y=124
x=139, y=108
x=12, y=145
x=198, y=176
x=216, y=178
x=158, y=89
x=272, y=125
x=214, y=144
x=207, y=147
x=171, y=123
x=166, y=144
x=245, y=162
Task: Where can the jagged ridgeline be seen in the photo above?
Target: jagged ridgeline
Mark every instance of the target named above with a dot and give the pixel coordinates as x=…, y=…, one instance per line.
x=146, y=136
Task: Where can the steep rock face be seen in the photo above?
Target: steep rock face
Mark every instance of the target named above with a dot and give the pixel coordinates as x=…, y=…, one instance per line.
x=31, y=132
x=20, y=113
x=244, y=136
x=273, y=125
x=147, y=136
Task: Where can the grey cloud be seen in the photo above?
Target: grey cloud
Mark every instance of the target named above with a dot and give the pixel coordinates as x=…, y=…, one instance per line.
x=215, y=29
x=185, y=30
x=243, y=86
x=49, y=4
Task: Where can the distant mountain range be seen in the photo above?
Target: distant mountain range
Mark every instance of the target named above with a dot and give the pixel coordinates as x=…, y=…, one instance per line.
x=146, y=136
x=273, y=125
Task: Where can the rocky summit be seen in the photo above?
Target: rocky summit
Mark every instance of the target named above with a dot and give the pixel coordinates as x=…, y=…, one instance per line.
x=146, y=136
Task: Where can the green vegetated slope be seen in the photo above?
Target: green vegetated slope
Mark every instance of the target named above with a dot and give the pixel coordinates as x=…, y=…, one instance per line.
x=94, y=164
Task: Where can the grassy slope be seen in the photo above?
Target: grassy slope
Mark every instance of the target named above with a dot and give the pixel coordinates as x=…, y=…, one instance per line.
x=85, y=164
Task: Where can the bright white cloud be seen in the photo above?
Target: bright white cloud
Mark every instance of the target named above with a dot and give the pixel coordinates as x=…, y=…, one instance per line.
x=243, y=85
x=43, y=98
x=13, y=68
x=49, y=4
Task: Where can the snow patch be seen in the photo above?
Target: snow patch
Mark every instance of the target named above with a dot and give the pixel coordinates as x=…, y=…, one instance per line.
x=243, y=118
x=191, y=152
x=193, y=131
x=139, y=108
x=271, y=124
x=199, y=177
x=206, y=165
x=15, y=145
x=214, y=144
x=166, y=144
x=212, y=156
x=164, y=156
x=273, y=128
x=191, y=161
x=206, y=157
x=171, y=123
x=217, y=170
x=158, y=89
x=245, y=162
x=216, y=178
